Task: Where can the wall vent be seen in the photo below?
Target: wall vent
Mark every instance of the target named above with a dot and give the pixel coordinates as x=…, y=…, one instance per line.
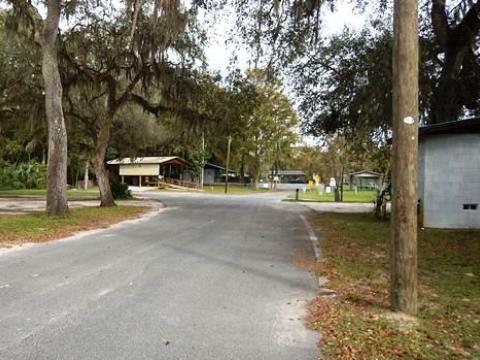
x=470, y=206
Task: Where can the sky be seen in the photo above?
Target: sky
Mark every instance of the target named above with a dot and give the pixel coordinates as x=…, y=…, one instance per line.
x=218, y=53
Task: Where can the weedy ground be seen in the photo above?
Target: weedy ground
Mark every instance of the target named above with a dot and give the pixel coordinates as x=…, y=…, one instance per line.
x=357, y=323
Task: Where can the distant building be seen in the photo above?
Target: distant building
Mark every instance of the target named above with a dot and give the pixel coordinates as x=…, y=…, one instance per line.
x=286, y=180
x=292, y=177
x=364, y=179
x=449, y=174
x=215, y=174
x=149, y=171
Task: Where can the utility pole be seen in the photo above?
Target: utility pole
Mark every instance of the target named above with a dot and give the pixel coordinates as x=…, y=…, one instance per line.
x=85, y=176
x=228, y=162
x=202, y=171
x=405, y=153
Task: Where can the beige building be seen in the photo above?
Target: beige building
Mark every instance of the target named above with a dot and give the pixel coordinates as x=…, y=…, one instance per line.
x=150, y=171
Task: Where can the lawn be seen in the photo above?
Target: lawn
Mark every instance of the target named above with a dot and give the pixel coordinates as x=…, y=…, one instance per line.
x=72, y=193
x=232, y=189
x=220, y=190
x=38, y=227
x=357, y=324
x=348, y=196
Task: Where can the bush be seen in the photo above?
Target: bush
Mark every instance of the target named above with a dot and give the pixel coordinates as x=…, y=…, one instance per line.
x=120, y=191
x=31, y=175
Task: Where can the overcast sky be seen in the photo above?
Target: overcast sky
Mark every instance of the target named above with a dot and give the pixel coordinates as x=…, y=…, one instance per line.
x=218, y=53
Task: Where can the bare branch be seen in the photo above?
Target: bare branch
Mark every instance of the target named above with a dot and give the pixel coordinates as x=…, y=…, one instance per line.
x=440, y=22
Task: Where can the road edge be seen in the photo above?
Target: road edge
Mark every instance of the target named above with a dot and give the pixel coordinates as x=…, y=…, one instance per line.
x=154, y=210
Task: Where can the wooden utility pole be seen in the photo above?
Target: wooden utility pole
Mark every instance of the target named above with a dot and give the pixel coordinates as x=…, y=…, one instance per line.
x=405, y=150
x=228, y=162
x=85, y=176
x=202, y=170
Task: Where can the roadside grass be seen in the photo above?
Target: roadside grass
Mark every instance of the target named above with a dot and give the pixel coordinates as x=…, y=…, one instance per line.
x=38, y=227
x=348, y=196
x=220, y=190
x=357, y=323
x=232, y=189
x=72, y=193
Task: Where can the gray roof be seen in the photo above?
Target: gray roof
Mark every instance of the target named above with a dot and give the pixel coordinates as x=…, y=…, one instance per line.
x=290, y=172
x=145, y=160
x=218, y=167
x=452, y=127
x=365, y=173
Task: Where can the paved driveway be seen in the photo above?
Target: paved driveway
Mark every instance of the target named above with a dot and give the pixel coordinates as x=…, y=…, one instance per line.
x=210, y=277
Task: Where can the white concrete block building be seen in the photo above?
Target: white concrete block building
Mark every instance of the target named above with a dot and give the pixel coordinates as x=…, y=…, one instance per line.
x=449, y=174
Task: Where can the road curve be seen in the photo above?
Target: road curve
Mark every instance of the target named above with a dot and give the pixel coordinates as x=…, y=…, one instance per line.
x=209, y=277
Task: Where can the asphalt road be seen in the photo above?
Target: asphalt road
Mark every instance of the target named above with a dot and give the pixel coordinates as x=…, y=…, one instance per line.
x=208, y=277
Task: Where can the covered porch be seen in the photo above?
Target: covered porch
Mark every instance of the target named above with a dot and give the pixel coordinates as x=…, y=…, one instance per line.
x=151, y=171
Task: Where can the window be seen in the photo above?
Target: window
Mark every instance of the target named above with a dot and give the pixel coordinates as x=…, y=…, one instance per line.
x=470, y=206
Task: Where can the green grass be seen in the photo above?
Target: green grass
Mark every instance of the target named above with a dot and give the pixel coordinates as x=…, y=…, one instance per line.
x=348, y=196
x=93, y=192
x=220, y=190
x=355, y=248
x=38, y=227
x=232, y=189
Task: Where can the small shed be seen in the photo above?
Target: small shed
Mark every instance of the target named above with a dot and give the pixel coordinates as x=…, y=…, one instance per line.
x=215, y=174
x=364, y=179
x=449, y=174
x=148, y=171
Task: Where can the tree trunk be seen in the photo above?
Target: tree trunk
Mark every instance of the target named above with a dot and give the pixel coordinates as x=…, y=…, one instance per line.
x=272, y=184
x=98, y=160
x=254, y=183
x=336, y=194
x=405, y=149
x=447, y=99
x=456, y=87
x=57, y=204
x=341, y=184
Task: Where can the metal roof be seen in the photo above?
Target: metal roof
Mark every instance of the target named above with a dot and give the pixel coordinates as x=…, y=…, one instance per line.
x=290, y=172
x=146, y=160
x=453, y=127
x=365, y=173
x=218, y=167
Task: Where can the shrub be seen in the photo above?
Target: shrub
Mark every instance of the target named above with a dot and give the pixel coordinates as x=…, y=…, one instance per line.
x=120, y=191
x=30, y=175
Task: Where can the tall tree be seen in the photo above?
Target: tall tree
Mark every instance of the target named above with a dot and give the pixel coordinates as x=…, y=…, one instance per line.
x=45, y=34
x=269, y=132
x=113, y=61
x=458, y=34
x=57, y=133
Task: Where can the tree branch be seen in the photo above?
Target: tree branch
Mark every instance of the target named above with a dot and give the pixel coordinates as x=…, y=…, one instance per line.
x=440, y=22
x=154, y=109
x=470, y=25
